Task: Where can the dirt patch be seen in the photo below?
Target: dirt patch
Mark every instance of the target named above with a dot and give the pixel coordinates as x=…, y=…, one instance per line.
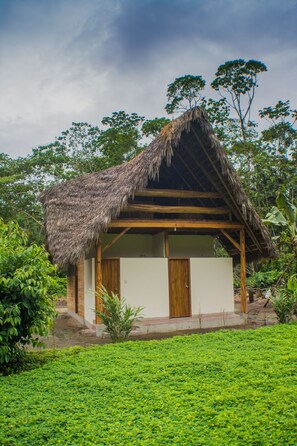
x=68, y=332
x=259, y=316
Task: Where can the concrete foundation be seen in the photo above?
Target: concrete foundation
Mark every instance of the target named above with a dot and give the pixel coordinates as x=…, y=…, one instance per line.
x=166, y=325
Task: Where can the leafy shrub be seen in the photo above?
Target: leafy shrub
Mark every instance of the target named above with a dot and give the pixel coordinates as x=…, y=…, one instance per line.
x=292, y=285
x=59, y=285
x=117, y=315
x=26, y=306
x=263, y=279
x=292, y=289
x=283, y=304
x=271, y=272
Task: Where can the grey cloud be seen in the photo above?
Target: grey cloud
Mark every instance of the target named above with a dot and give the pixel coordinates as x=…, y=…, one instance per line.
x=72, y=60
x=143, y=26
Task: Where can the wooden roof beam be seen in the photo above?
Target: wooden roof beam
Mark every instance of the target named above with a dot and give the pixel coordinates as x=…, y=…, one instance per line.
x=192, y=224
x=173, y=193
x=222, y=210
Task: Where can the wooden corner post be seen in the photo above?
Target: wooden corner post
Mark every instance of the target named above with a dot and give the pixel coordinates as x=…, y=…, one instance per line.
x=243, y=272
x=166, y=244
x=98, y=277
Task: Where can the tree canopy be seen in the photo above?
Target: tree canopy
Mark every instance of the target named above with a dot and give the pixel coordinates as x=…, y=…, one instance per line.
x=265, y=159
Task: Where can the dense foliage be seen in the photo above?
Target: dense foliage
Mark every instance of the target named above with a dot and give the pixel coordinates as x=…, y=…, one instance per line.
x=262, y=146
x=81, y=149
x=283, y=304
x=284, y=215
x=26, y=292
x=265, y=159
x=220, y=388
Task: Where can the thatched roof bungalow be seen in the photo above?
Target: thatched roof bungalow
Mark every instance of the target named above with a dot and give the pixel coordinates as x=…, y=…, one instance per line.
x=182, y=184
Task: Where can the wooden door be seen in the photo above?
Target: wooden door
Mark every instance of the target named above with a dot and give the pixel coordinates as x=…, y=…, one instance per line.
x=111, y=275
x=179, y=287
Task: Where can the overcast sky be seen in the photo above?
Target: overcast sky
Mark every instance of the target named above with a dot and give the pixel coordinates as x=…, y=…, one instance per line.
x=79, y=60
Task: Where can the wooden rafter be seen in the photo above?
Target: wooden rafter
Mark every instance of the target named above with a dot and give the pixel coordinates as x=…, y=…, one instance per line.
x=197, y=179
x=231, y=239
x=222, y=210
x=175, y=193
x=192, y=224
x=186, y=183
x=190, y=186
x=251, y=234
x=114, y=240
x=166, y=243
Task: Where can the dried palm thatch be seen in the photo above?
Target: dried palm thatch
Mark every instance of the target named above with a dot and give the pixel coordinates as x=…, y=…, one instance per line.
x=77, y=211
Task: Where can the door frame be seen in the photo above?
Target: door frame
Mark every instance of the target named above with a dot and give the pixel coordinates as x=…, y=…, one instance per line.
x=119, y=272
x=189, y=289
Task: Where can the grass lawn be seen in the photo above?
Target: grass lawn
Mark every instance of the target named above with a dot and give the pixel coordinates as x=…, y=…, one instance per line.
x=221, y=388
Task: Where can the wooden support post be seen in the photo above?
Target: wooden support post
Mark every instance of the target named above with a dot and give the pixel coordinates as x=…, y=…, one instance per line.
x=98, y=277
x=166, y=240
x=243, y=272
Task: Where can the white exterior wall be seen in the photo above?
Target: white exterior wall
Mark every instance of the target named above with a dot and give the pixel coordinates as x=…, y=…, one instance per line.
x=190, y=246
x=212, y=285
x=89, y=303
x=144, y=282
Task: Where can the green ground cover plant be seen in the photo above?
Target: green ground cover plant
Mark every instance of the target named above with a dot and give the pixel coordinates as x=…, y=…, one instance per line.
x=221, y=388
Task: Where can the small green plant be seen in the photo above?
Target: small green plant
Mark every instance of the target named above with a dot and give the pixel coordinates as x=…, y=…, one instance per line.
x=292, y=288
x=283, y=304
x=292, y=285
x=118, y=317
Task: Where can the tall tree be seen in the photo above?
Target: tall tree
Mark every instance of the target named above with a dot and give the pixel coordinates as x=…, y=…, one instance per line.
x=279, y=141
x=184, y=93
x=121, y=140
x=80, y=144
x=237, y=80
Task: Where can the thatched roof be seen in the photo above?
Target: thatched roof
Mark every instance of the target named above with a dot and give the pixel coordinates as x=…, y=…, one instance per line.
x=77, y=211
